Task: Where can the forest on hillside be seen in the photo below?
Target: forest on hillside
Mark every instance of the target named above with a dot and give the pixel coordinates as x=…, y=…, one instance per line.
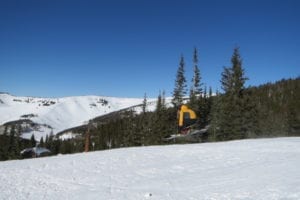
x=237, y=112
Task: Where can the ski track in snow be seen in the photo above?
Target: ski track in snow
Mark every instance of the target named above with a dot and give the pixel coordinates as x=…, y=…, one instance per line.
x=245, y=169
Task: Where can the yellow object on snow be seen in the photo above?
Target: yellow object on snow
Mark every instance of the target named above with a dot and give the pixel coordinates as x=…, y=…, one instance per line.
x=186, y=116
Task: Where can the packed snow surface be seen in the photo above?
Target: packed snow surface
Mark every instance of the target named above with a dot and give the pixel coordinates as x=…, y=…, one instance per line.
x=246, y=169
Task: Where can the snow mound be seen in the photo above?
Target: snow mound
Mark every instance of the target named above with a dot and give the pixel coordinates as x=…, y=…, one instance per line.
x=246, y=169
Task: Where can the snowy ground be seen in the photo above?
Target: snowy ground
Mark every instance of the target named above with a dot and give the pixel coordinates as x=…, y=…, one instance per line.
x=247, y=169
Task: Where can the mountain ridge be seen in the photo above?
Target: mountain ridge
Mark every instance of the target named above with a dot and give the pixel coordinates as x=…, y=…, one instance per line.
x=59, y=114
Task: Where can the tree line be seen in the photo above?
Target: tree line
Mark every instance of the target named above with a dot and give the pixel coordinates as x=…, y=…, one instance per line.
x=235, y=112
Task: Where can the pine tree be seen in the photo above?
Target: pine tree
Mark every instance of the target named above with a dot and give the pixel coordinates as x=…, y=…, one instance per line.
x=42, y=143
x=196, y=90
x=205, y=107
x=159, y=121
x=47, y=141
x=13, y=149
x=144, y=106
x=180, y=84
x=196, y=80
x=209, y=104
x=163, y=99
x=215, y=117
x=33, y=141
x=4, y=144
x=232, y=106
x=250, y=116
x=239, y=78
x=227, y=80
x=159, y=103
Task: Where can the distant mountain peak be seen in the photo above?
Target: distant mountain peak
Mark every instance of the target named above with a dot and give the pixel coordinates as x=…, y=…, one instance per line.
x=54, y=115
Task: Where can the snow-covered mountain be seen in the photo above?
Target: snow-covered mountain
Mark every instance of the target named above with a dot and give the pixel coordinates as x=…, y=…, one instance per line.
x=57, y=114
x=247, y=169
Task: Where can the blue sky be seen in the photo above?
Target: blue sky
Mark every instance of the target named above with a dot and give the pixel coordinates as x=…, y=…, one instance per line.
x=127, y=48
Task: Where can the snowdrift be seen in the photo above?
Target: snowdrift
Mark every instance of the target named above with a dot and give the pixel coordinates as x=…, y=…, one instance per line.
x=246, y=169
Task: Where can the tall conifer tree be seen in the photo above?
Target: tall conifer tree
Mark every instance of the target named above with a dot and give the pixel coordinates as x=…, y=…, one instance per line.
x=144, y=106
x=180, y=84
x=32, y=141
x=232, y=106
x=196, y=89
x=196, y=80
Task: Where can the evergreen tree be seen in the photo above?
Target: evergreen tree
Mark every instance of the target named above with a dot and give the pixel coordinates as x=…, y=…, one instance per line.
x=159, y=121
x=227, y=80
x=180, y=84
x=144, y=106
x=46, y=141
x=232, y=106
x=215, y=117
x=209, y=104
x=33, y=141
x=205, y=107
x=239, y=78
x=42, y=143
x=13, y=149
x=4, y=144
x=250, y=116
x=163, y=99
x=196, y=90
x=159, y=103
x=66, y=147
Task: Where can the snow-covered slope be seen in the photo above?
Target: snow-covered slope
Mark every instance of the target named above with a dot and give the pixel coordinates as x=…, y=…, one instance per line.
x=59, y=113
x=247, y=169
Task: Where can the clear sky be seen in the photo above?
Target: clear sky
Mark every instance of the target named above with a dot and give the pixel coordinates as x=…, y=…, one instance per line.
x=56, y=48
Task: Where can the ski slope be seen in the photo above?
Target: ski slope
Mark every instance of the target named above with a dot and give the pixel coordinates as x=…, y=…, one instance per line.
x=247, y=169
x=60, y=113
